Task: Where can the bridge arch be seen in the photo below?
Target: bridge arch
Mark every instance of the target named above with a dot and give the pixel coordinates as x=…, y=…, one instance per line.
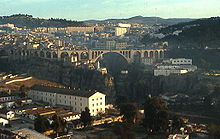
x=151, y=54
x=74, y=57
x=84, y=56
x=42, y=54
x=54, y=55
x=146, y=54
x=48, y=54
x=64, y=56
x=156, y=55
x=103, y=53
x=137, y=57
x=36, y=54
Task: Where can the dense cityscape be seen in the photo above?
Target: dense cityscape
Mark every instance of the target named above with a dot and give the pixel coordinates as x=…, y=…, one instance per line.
x=141, y=77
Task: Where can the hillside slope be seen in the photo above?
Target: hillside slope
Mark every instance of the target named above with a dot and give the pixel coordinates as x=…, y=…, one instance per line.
x=21, y=20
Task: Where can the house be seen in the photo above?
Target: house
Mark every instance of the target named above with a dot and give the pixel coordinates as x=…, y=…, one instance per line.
x=77, y=100
x=5, y=134
x=48, y=112
x=30, y=134
x=178, y=136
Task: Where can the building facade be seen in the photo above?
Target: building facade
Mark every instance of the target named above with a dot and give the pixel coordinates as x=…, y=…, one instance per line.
x=75, y=99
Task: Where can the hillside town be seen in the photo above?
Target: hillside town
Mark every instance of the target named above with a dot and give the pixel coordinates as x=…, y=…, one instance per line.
x=107, y=79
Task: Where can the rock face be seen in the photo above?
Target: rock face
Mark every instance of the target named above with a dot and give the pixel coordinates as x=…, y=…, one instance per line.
x=64, y=74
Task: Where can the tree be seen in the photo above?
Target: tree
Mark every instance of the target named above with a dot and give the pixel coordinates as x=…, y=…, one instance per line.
x=23, y=90
x=214, y=131
x=129, y=112
x=41, y=124
x=120, y=99
x=156, y=115
x=58, y=124
x=177, y=123
x=86, y=118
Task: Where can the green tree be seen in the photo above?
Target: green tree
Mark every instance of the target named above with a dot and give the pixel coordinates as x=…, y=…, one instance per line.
x=41, y=124
x=156, y=115
x=129, y=112
x=58, y=124
x=86, y=118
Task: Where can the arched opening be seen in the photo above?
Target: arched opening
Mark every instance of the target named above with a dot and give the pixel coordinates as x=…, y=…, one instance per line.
x=23, y=53
x=64, y=56
x=151, y=54
x=156, y=55
x=74, y=57
x=93, y=55
x=137, y=57
x=28, y=53
x=55, y=55
x=11, y=52
x=96, y=54
x=19, y=52
x=36, y=54
x=161, y=54
x=42, y=54
x=113, y=61
x=145, y=54
x=84, y=56
x=126, y=54
x=48, y=54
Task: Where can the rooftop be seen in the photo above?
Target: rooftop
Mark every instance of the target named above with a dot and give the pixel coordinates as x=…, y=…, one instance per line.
x=81, y=93
x=31, y=134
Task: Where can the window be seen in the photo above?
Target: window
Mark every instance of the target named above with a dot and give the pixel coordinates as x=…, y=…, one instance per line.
x=100, y=98
x=65, y=101
x=96, y=98
x=97, y=104
x=65, y=96
x=97, y=109
x=100, y=109
x=100, y=103
x=92, y=110
x=80, y=98
x=80, y=104
x=75, y=103
x=93, y=105
x=92, y=99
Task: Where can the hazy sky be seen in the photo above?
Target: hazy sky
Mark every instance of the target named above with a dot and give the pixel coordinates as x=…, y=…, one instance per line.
x=102, y=9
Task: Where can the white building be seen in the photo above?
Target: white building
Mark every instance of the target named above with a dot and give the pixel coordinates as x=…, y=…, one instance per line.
x=4, y=121
x=119, y=31
x=178, y=136
x=178, y=61
x=167, y=72
x=175, y=66
x=76, y=99
x=124, y=25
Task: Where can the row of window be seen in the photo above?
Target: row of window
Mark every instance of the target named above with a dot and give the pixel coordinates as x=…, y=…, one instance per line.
x=97, y=104
x=54, y=95
x=182, y=61
x=97, y=99
x=97, y=110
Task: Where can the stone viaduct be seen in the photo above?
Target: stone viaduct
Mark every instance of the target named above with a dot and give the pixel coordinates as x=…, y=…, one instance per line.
x=90, y=54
